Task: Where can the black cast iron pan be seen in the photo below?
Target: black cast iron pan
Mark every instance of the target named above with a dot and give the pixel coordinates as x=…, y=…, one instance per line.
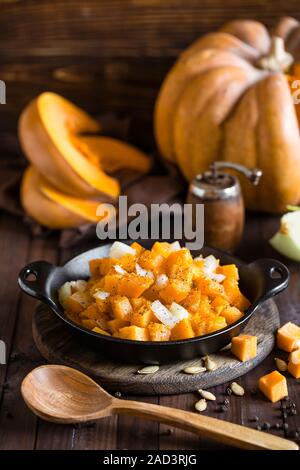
x=259, y=281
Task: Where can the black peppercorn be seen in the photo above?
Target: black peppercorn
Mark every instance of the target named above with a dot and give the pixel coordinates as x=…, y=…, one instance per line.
x=277, y=425
x=228, y=391
x=258, y=427
x=118, y=394
x=285, y=426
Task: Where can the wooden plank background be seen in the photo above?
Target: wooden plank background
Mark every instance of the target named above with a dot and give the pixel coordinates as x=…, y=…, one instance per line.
x=108, y=55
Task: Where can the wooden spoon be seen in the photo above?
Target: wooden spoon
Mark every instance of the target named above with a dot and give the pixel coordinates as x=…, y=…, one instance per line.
x=64, y=395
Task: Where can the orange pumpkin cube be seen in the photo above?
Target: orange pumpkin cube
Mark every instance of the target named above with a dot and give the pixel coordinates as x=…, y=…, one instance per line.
x=175, y=291
x=192, y=302
x=219, y=303
x=216, y=323
x=121, y=307
x=138, y=248
x=183, y=330
x=134, y=333
x=88, y=323
x=90, y=312
x=181, y=258
x=241, y=302
x=273, y=386
x=77, y=302
x=231, y=289
x=112, y=282
x=151, y=261
x=294, y=363
x=231, y=314
x=133, y=285
x=230, y=271
x=162, y=248
x=142, y=314
x=158, y=332
x=288, y=337
x=100, y=267
x=127, y=262
x=244, y=347
x=114, y=325
x=209, y=287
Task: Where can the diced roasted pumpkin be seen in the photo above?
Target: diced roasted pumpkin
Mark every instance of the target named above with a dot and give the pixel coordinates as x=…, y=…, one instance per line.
x=90, y=312
x=101, y=266
x=162, y=248
x=112, y=282
x=244, y=347
x=127, y=262
x=77, y=302
x=230, y=271
x=288, y=337
x=158, y=332
x=209, y=287
x=142, y=315
x=183, y=330
x=137, y=247
x=231, y=289
x=88, y=323
x=114, y=325
x=241, y=302
x=121, y=307
x=133, y=285
x=216, y=323
x=192, y=302
x=231, y=314
x=175, y=291
x=294, y=363
x=182, y=258
x=134, y=333
x=219, y=303
x=273, y=386
x=151, y=261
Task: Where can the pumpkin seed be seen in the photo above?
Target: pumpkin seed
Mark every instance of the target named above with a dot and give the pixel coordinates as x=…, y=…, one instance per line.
x=207, y=395
x=148, y=370
x=237, y=389
x=210, y=364
x=194, y=370
x=201, y=405
x=280, y=364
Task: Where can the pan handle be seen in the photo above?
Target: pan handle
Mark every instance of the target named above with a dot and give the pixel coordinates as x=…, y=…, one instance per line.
x=33, y=279
x=275, y=274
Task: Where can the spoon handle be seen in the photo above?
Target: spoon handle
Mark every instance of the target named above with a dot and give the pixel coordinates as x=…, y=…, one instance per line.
x=222, y=431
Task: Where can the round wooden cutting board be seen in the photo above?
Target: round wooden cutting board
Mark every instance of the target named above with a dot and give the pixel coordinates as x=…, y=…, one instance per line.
x=59, y=346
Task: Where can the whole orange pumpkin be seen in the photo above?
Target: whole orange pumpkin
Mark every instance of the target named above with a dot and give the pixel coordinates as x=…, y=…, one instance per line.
x=229, y=97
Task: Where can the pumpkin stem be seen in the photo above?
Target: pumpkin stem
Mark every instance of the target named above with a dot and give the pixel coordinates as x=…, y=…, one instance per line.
x=277, y=60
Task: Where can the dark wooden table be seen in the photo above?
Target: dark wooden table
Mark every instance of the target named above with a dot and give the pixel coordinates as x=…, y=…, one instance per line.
x=20, y=429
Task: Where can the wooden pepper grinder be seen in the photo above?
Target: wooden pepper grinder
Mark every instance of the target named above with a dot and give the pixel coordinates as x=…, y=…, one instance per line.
x=224, y=209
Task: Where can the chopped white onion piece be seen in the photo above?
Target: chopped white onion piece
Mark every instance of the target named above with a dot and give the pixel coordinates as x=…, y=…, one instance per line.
x=178, y=311
x=143, y=272
x=64, y=292
x=198, y=258
x=101, y=295
x=119, y=249
x=163, y=314
x=162, y=280
x=210, y=264
x=119, y=269
x=175, y=246
x=78, y=286
x=216, y=277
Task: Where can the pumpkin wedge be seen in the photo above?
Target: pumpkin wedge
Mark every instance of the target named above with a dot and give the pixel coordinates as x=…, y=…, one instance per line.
x=112, y=154
x=47, y=128
x=53, y=209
